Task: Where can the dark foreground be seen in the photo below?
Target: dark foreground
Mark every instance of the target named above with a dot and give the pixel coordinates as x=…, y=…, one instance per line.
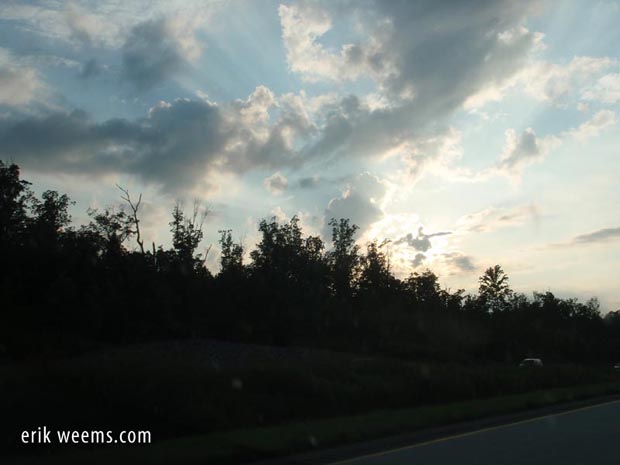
x=587, y=435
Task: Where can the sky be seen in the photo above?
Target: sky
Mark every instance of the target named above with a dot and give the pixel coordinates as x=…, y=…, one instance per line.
x=466, y=133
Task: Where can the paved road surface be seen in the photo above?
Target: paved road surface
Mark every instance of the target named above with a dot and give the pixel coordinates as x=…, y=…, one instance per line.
x=586, y=436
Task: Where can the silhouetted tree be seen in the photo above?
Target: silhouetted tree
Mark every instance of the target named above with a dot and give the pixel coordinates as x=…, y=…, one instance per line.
x=344, y=257
x=51, y=215
x=15, y=199
x=135, y=207
x=62, y=288
x=186, y=237
x=494, y=289
x=110, y=228
x=425, y=289
x=375, y=275
x=231, y=256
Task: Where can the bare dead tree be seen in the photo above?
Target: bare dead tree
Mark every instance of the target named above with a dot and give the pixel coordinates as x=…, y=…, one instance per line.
x=199, y=215
x=134, y=213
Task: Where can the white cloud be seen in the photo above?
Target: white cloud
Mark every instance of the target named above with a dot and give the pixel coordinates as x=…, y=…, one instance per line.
x=302, y=25
x=107, y=23
x=279, y=214
x=276, y=184
x=20, y=84
x=605, y=90
x=556, y=83
x=493, y=218
x=594, y=126
x=525, y=149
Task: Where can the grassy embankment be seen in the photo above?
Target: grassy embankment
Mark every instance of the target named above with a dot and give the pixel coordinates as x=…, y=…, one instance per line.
x=201, y=411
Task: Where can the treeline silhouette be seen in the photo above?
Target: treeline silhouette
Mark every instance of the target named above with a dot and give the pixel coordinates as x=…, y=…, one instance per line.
x=65, y=289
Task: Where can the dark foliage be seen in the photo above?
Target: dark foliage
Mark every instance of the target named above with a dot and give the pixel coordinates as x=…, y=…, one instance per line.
x=65, y=289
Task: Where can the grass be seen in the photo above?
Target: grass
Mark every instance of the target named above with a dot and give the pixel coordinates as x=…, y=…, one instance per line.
x=265, y=442
x=258, y=401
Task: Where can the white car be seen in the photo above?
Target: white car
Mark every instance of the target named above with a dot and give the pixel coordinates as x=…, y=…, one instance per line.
x=531, y=362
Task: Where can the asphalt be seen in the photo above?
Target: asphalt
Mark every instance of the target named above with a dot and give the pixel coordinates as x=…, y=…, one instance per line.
x=587, y=436
x=579, y=433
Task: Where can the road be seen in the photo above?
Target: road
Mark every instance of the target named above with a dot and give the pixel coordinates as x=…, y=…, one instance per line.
x=585, y=436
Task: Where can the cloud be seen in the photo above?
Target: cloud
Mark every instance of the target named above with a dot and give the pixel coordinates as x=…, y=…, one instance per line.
x=600, y=235
x=421, y=241
x=360, y=203
x=309, y=182
x=493, y=218
x=105, y=23
x=276, y=183
x=303, y=24
x=524, y=149
x=279, y=214
x=557, y=83
x=446, y=263
x=527, y=148
x=450, y=262
x=594, y=126
x=152, y=54
x=408, y=50
x=418, y=260
x=605, y=90
x=90, y=69
x=456, y=263
x=411, y=250
x=82, y=26
x=20, y=84
x=402, y=44
x=424, y=63
x=174, y=146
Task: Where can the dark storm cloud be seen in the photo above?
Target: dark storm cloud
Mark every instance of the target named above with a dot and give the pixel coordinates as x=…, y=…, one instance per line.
x=151, y=55
x=448, y=50
x=173, y=146
x=166, y=147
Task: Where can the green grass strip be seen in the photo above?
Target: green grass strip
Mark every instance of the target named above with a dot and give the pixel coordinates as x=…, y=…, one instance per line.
x=261, y=443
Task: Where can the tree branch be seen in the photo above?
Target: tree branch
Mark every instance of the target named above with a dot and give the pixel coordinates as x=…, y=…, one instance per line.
x=134, y=209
